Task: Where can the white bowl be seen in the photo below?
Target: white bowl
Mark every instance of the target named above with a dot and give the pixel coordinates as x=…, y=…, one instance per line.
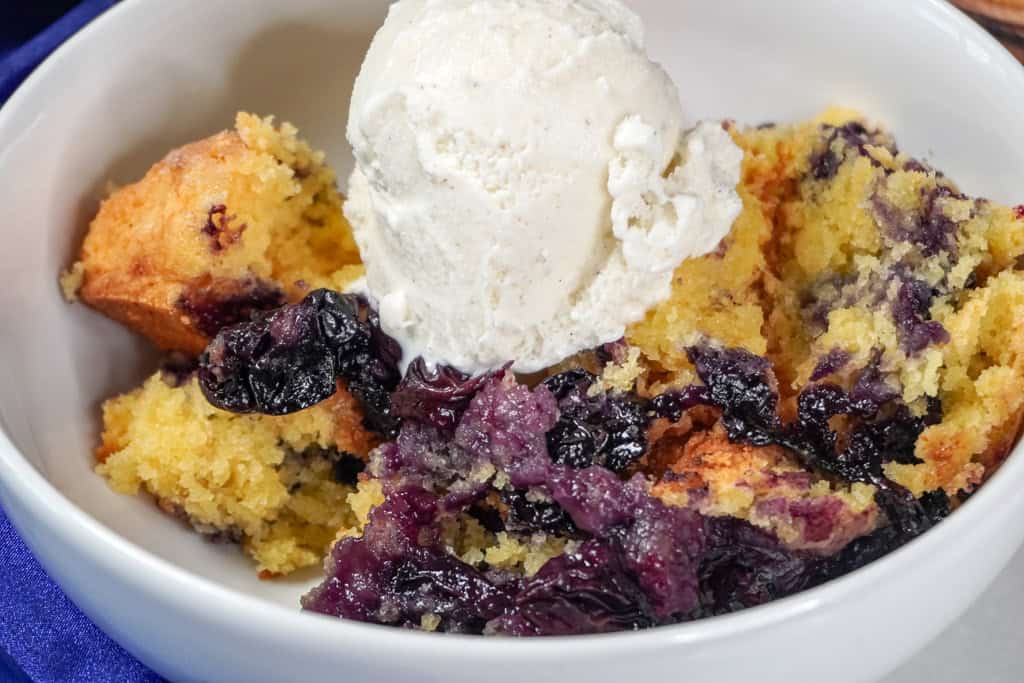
x=150, y=75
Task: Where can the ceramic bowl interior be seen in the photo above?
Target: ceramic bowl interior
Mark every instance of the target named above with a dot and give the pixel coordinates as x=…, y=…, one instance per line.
x=154, y=75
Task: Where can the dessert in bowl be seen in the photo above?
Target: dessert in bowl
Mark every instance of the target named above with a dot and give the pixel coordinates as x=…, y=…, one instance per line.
x=697, y=463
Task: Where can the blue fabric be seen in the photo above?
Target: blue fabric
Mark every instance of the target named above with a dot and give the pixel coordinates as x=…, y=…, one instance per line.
x=17, y=60
x=43, y=636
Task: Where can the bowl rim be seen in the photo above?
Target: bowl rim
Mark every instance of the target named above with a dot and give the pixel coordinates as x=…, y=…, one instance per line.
x=49, y=507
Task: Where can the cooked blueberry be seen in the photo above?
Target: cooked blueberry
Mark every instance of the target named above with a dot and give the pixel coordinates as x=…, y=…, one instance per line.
x=641, y=563
x=810, y=435
x=603, y=429
x=222, y=228
x=857, y=553
x=346, y=467
x=926, y=227
x=834, y=361
x=398, y=572
x=911, y=311
x=489, y=517
x=589, y=591
x=871, y=391
x=908, y=518
x=912, y=516
x=290, y=359
x=672, y=404
x=213, y=307
x=842, y=142
x=530, y=516
x=873, y=440
x=742, y=385
x=625, y=422
x=338, y=319
x=745, y=567
x=571, y=384
x=574, y=443
x=274, y=365
x=437, y=396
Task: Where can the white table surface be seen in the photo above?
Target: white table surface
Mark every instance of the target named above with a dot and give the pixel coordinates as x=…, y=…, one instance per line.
x=985, y=646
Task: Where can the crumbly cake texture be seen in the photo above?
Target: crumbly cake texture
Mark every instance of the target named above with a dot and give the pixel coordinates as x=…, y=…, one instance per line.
x=848, y=259
x=846, y=247
x=265, y=482
x=239, y=221
x=71, y=281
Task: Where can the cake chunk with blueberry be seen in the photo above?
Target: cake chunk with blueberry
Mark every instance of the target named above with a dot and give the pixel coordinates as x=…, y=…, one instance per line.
x=863, y=269
x=239, y=222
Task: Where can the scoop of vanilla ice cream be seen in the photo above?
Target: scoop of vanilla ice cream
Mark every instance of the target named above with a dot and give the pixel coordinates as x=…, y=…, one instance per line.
x=524, y=188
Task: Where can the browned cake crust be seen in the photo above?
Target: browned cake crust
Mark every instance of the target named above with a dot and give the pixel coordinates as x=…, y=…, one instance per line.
x=127, y=274
x=241, y=221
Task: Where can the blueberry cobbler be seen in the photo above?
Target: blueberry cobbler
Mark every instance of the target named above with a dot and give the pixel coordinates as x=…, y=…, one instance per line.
x=792, y=401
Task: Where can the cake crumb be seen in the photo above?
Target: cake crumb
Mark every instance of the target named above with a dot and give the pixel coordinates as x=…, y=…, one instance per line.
x=622, y=376
x=71, y=281
x=264, y=481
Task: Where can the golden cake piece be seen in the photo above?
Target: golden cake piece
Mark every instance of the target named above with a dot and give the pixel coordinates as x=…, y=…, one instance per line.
x=851, y=259
x=238, y=222
x=278, y=485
